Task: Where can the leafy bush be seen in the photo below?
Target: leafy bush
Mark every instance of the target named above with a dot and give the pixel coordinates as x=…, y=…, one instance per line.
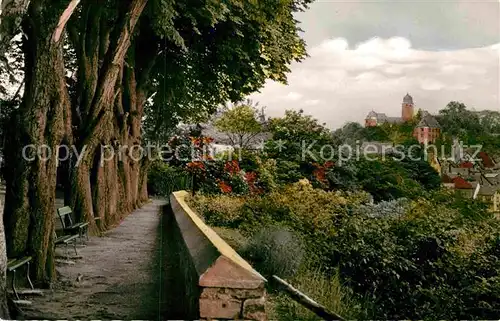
x=431, y=262
x=164, y=179
x=249, y=160
x=289, y=171
x=233, y=238
x=314, y=214
x=220, y=211
x=425, y=258
x=267, y=171
x=275, y=251
x=227, y=177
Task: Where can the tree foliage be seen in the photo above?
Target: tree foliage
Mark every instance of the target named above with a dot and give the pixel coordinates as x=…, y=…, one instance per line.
x=228, y=50
x=470, y=127
x=292, y=131
x=350, y=133
x=240, y=123
x=292, y=134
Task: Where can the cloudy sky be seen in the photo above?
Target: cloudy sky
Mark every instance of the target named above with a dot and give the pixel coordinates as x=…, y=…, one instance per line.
x=367, y=55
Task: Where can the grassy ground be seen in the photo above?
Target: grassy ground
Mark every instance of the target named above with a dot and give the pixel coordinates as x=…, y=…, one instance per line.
x=328, y=291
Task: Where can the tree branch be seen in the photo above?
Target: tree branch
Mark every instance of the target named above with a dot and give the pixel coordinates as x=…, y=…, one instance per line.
x=115, y=57
x=12, y=15
x=18, y=90
x=64, y=19
x=250, y=137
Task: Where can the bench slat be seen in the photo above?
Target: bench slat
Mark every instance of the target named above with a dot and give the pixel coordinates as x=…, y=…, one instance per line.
x=66, y=238
x=66, y=210
x=14, y=264
x=11, y=264
x=77, y=225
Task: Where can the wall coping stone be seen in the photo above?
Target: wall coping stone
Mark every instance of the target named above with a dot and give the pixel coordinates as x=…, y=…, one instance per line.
x=218, y=265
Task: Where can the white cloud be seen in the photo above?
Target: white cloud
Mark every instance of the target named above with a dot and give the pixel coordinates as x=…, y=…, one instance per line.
x=311, y=102
x=340, y=82
x=293, y=96
x=431, y=84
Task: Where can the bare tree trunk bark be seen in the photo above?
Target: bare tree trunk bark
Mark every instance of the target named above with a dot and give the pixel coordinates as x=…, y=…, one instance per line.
x=4, y=309
x=102, y=188
x=43, y=120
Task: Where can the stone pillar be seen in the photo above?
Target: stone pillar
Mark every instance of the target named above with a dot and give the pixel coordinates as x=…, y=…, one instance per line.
x=224, y=285
x=233, y=304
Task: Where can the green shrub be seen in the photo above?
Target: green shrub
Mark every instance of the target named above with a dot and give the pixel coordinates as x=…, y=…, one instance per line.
x=249, y=160
x=164, y=179
x=289, y=172
x=220, y=210
x=433, y=262
x=274, y=251
x=233, y=238
x=312, y=213
x=267, y=171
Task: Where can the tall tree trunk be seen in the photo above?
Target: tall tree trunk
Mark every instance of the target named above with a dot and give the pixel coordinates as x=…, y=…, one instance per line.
x=120, y=184
x=4, y=310
x=101, y=188
x=42, y=123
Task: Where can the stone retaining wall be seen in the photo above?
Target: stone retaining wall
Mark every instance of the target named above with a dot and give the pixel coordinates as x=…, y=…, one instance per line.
x=212, y=281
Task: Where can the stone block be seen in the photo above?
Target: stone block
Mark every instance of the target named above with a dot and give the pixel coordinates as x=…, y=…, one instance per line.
x=255, y=309
x=212, y=293
x=243, y=294
x=220, y=308
x=246, y=293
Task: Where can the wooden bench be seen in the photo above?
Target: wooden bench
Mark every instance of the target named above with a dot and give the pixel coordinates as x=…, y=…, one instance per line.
x=65, y=214
x=13, y=265
x=66, y=240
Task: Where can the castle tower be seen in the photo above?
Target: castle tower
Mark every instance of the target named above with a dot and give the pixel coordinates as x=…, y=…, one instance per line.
x=371, y=120
x=407, y=108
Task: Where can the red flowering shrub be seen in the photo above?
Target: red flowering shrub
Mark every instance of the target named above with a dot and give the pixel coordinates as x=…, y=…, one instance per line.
x=251, y=179
x=232, y=167
x=224, y=187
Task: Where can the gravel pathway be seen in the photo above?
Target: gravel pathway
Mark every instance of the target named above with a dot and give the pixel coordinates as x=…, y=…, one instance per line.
x=119, y=275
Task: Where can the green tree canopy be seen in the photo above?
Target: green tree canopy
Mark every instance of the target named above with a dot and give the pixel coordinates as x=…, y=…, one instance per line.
x=471, y=127
x=240, y=123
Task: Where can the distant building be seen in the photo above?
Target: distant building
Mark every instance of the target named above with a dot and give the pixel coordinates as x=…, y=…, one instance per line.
x=407, y=109
x=490, y=195
x=488, y=162
x=374, y=119
x=427, y=130
x=475, y=179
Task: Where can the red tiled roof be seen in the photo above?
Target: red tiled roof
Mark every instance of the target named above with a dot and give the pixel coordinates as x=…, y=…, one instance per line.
x=487, y=161
x=461, y=183
x=466, y=165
